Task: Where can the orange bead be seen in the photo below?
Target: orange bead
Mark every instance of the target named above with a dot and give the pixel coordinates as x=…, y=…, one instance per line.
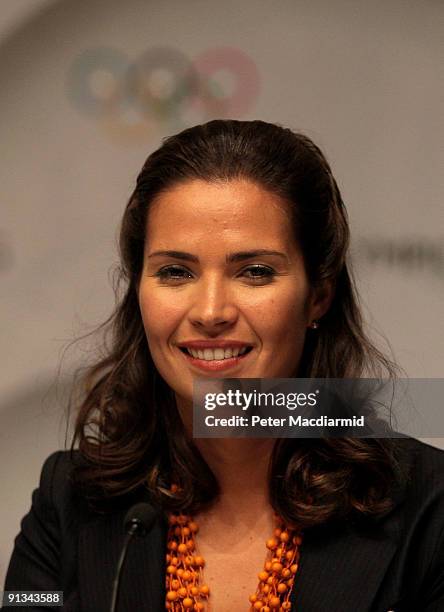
x=257, y=605
x=263, y=576
x=180, y=572
x=284, y=536
x=267, y=566
x=297, y=540
x=171, y=569
x=253, y=598
x=266, y=589
x=290, y=582
x=172, y=596
x=294, y=568
x=175, y=584
x=177, y=531
x=265, y=609
x=172, y=545
x=199, y=561
x=187, y=603
x=194, y=591
x=199, y=606
x=289, y=555
x=286, y=573
x=277, y=568
x=286, y=605
x=190, y=544
x=272, y=544
x=174, y=561
x=282, y=588
x=193, y=526
x=186, y=575
x=204, y=590
x=275, y=602
x=277, y=532
x=271, y=580
x=182, y=548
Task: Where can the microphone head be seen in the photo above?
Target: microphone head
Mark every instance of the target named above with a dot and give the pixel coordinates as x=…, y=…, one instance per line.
x=140, y=518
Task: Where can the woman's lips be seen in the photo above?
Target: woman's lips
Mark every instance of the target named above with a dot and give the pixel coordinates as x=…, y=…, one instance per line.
x=215, y=365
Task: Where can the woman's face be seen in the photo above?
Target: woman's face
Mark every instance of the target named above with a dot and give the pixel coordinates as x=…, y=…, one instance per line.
x=223, y=292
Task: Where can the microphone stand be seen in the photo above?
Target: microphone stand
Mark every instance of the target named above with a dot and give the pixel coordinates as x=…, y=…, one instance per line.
x=116, y=583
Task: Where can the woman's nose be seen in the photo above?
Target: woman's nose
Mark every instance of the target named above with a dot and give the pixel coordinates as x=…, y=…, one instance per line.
x=213, y=306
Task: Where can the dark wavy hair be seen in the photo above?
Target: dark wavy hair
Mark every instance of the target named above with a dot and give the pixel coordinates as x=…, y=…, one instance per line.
x=128, y=429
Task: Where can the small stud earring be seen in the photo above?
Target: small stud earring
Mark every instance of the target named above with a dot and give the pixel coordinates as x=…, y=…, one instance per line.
x=314, y=324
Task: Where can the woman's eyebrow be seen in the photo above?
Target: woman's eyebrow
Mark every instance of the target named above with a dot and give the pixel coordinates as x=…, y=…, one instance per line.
x=231, y=258
x=175, y=255
x=242, y=255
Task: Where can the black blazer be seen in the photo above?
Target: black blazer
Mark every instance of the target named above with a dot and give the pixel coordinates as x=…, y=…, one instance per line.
x=398, y=565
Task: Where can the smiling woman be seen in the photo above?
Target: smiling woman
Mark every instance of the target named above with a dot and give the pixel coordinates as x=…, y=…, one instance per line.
x=234, y=258
x=232, y=279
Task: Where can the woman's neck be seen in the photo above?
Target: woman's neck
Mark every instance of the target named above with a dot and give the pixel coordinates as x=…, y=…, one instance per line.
x=239, y=464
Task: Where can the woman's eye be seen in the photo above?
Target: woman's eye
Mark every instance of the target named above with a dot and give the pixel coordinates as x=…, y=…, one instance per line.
x=173, y=273
x=259, y=273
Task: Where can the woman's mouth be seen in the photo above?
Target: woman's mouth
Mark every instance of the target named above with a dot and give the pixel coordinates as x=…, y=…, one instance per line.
x=215, y=359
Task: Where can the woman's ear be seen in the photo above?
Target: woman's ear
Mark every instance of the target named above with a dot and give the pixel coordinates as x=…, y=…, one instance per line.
x=320, y=300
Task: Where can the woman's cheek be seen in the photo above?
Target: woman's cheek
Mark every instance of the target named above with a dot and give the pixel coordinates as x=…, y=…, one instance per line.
x=160, y=316
x=281, y=314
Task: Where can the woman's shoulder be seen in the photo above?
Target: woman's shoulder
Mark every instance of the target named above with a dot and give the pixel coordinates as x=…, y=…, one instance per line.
x=56, y=476
x=421, y=497
x=57, y=492
x=424, y=461
x=62, y=491
x=57, y=468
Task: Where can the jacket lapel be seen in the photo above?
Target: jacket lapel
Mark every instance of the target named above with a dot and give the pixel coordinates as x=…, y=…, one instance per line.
x=341, y=570
x=143, y=575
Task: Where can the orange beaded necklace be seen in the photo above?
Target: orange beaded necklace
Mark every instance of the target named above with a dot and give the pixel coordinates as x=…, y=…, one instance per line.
x=184, y=571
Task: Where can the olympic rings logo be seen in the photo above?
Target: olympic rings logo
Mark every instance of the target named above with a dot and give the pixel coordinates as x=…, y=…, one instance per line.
x=162, y=86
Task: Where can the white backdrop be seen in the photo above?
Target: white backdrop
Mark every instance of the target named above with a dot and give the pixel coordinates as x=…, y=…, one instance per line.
x=89, y=89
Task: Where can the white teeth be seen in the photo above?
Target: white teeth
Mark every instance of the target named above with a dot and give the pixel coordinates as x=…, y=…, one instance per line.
x=217, y=353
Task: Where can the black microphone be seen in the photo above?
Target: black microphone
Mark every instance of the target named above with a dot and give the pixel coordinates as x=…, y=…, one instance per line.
x=139, y=520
